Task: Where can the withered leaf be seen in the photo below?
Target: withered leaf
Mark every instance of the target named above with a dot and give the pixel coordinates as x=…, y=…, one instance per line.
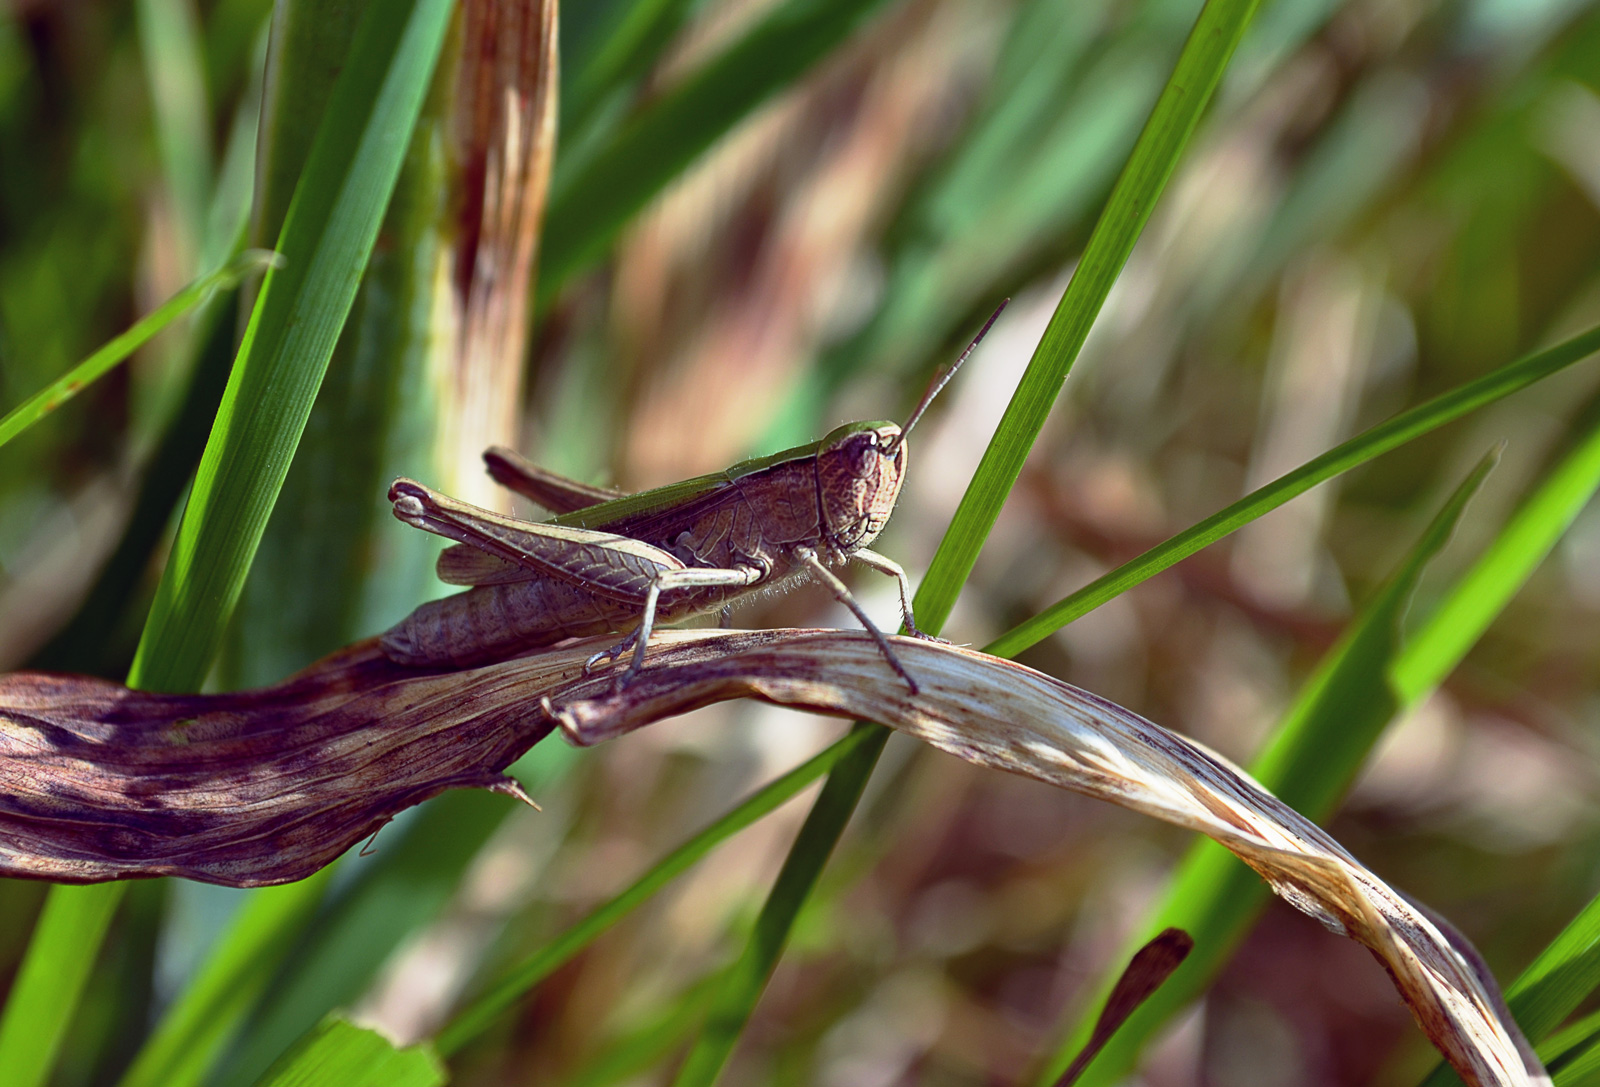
x=100, y=782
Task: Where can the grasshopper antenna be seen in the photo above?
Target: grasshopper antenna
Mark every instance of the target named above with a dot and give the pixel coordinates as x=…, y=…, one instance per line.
x=941, y=379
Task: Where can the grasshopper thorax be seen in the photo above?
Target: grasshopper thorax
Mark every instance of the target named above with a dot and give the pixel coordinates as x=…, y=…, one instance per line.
x=859, y=469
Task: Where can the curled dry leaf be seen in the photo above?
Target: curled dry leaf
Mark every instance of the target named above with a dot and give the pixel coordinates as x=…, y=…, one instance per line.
x=99, y=782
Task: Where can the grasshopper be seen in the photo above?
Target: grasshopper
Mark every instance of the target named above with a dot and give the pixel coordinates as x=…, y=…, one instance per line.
x=608, y=562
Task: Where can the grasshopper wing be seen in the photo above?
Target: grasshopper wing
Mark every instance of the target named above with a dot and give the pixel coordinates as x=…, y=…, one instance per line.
x=464, y=564
x=605, y=564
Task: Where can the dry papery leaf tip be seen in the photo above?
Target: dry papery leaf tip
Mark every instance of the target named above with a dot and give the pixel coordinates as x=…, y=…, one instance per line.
x=100, y=782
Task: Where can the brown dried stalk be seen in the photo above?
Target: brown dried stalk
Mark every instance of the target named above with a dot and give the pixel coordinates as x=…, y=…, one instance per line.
x=99, y=782
x=504, y=139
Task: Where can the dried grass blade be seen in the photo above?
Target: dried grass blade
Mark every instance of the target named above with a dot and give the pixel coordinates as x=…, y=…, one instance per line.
x=99, y=782
x=504, y=147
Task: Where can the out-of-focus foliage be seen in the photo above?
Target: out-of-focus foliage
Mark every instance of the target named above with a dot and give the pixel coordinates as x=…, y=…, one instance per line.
x=1387, y=199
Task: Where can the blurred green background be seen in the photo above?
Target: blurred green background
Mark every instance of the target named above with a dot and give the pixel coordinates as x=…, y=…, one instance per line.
x=767, y=217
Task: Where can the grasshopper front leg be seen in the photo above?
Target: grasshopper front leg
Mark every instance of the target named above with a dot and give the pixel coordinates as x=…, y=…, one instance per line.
x=842, y=593
x=884, y=564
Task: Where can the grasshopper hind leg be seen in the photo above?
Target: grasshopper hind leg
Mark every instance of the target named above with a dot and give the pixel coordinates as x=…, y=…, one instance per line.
x=616, y=652
x=666, y=581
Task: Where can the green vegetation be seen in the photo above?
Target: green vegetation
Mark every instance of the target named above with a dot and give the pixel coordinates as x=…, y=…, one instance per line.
x=1321, y=256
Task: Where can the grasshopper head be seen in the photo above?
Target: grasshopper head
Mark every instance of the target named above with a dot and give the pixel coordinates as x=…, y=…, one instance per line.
x=859, y=469
x=860, y=466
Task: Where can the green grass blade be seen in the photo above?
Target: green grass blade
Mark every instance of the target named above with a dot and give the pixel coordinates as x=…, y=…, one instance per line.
x=1554, y=983
x=51, y=979
x=195, y=1028
x=1506, y=565
x=1402, y=428
x=338, y=1054
x=97, y=365
x=1572, y=1054
x=1568, y=970
x=1311, y=759
x=590, y=203
x=1199, y=68
x=332, y=534
x=742, y=984
x=636, y=35
x=477, y=1016
x=309, y=46
x=1205, y=55
x=326, y=240
x=169, y=41
x=327, y=236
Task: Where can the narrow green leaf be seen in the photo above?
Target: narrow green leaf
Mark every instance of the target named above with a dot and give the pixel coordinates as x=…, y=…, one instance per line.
x=169, y=40
x=97, y=365
x=192, y=1032
x=339, y=1054
x=1309, y=762
x=1205, y=55
x=1216, y=33
x=332, y=533
x=1560, y=978
x=310, y=43
x=1568, y=970
x=326, y=240
x=51, y=979
x=1461, y=620
x=477, y=1016
x=1572, y=1054
x=590, y=201
x=742, y=984
x=1402, y=428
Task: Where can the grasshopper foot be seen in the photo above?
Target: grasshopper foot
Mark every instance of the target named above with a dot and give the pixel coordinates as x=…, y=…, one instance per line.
x=612, y=655
x=609, y=656
x=913, y=632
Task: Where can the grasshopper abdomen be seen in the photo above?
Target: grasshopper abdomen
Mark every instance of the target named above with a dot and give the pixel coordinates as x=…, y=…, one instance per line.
x=491, y=622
